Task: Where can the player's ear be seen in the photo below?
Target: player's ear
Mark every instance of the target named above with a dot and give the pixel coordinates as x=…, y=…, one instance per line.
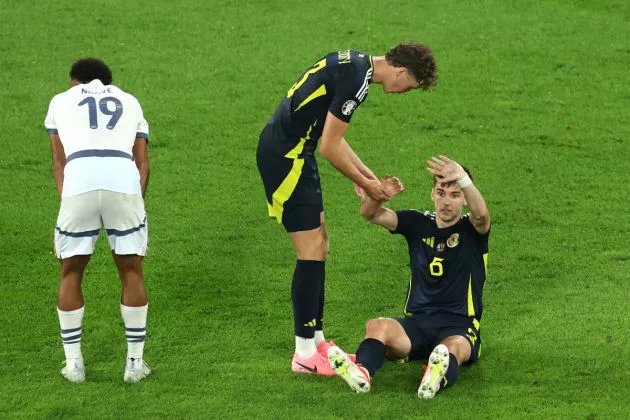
x=74, y=82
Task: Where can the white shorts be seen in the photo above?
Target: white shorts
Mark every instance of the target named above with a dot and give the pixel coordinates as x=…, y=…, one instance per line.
x=82, y=216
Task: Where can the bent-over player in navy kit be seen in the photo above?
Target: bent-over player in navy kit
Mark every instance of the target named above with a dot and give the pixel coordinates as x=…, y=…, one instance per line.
x=448, y=254
x=319, y=105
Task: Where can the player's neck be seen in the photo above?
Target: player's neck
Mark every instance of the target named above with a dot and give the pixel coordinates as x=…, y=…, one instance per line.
x=381, y=69
x=441, y=224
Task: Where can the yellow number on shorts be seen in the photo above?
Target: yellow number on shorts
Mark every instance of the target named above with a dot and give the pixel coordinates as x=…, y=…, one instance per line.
x=314, y=69
x=435, y=268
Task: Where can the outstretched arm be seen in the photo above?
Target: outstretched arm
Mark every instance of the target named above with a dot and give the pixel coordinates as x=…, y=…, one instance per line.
x=373, y=210
x=333, y=148
x=448, y=170
x=358, y=163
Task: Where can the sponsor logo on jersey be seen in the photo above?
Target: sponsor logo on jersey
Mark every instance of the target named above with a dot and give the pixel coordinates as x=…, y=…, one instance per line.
x=453, y=240
x=429, y=241
x=441, y=247
x=310, y=323
x=348, y=107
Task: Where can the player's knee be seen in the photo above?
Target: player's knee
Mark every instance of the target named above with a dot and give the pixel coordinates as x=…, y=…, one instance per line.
x=132, y=273
x=317, y=248
x=376, y=328
x=321, y=246
x=459, y=347
x=129, y=267
x=325, y=238
x=70, y=272
x=73, y=267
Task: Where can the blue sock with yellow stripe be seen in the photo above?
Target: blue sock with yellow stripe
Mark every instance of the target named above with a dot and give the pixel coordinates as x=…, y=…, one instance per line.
x=305, y=296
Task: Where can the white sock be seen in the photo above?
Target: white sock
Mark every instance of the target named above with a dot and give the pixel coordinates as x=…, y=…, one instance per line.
x=319, y=337
x=70, y=324
x=305, y=347
x=135, y=319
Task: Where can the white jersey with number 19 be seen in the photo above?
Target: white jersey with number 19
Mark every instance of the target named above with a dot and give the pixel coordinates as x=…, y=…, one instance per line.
x=98, y=126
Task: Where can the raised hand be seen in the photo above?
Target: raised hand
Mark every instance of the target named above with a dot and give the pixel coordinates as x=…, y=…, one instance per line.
x=393, y=185
x=377, y=191
x=446, y=170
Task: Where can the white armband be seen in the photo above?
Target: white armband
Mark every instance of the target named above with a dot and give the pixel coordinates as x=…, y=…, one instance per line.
x=465, y=182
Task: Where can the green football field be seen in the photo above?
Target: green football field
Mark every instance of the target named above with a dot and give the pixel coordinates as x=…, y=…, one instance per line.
x=533, y=96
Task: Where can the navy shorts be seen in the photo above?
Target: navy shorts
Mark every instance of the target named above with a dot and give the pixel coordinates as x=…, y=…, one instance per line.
x=292, y=187
x=427, y=331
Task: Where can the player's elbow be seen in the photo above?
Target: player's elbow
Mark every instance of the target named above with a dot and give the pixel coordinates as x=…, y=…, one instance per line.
x=58, y=162
x=328, y=146
x=367, y=215
x=142, y=163
x=482, y=222
x=324, y=150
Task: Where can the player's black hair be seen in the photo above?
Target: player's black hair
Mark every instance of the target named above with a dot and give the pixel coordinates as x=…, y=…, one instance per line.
x=418, y=59
x=87, y=69
x=436, y=179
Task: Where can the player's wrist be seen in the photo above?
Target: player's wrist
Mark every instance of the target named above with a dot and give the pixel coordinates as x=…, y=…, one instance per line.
x=366, y=183
x=465, y=182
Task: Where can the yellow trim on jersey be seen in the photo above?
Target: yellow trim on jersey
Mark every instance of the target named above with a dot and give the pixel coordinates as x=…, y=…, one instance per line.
x=320, y=91
x=407, y=300
x=295, y=152
x=314, y=69
x=485, y=262
x=284, y=191
x=286, y=188
x=471, y=306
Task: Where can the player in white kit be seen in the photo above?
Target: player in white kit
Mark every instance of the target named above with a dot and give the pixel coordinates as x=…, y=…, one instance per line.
x=99, y=139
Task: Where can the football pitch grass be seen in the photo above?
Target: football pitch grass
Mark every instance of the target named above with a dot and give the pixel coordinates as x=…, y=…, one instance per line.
x=533, y=96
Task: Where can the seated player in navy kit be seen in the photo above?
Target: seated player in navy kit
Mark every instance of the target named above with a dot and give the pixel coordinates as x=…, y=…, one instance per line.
x=320, y=105
x=448, y=254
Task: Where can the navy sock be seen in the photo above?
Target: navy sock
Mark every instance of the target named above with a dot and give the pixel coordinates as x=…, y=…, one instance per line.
x=371, y=354
x=305, y=296
x=319, y=321
x=452, y=373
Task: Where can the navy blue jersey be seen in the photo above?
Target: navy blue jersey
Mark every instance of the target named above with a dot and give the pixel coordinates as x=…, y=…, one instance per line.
x=337, y=83
x=448, y=266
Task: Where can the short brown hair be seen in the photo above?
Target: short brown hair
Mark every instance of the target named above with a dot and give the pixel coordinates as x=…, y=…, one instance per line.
x=416, y=58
